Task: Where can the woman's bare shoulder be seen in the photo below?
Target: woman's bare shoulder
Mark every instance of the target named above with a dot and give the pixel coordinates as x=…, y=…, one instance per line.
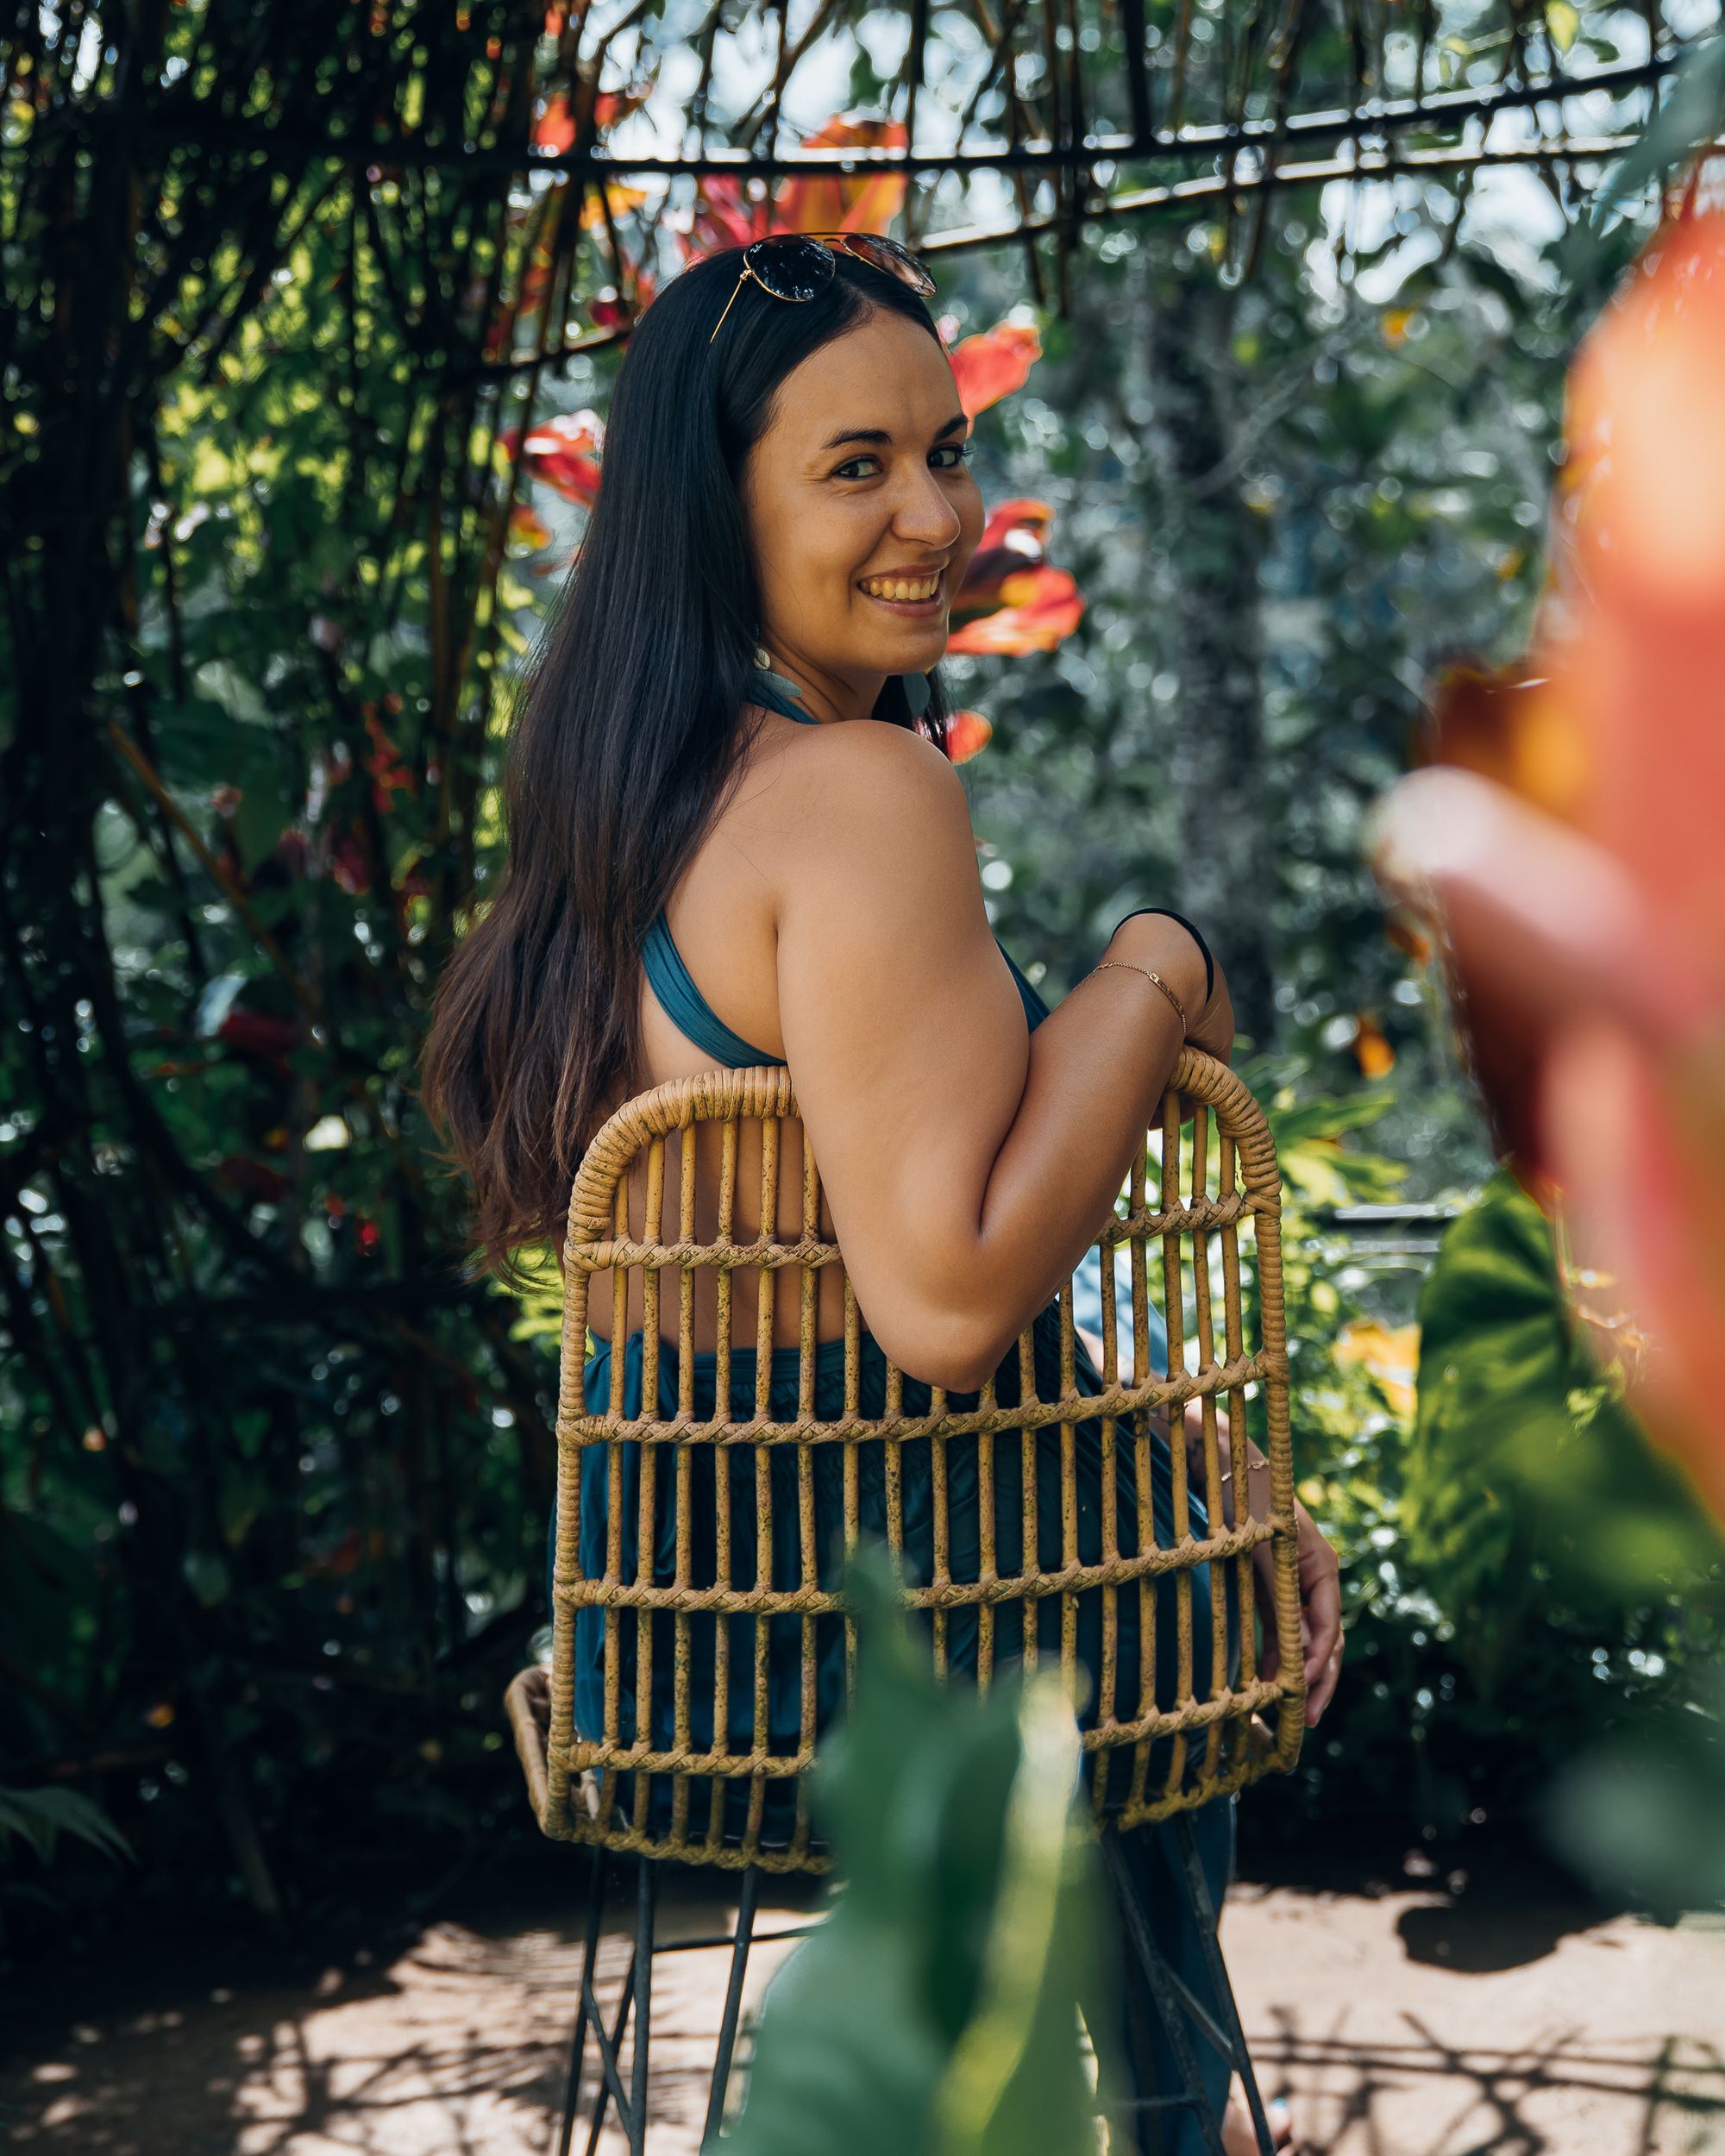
x=844, y=784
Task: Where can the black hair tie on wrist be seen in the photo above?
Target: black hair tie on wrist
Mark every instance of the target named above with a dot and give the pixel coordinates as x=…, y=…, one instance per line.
x=1169, y=913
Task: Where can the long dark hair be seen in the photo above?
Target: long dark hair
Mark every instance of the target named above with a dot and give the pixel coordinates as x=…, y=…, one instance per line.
x=626, y=740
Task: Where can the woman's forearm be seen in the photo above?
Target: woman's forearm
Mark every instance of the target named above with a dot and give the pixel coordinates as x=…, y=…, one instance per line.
x=1099, y=1066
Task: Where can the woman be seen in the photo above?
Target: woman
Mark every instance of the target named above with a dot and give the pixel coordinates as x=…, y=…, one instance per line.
x=729, y=772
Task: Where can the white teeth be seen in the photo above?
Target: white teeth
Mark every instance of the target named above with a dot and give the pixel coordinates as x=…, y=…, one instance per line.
x=901, y=587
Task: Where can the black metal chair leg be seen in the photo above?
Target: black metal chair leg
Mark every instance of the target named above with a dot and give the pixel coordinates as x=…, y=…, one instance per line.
x=578, y=2037
x=610, y=2049
x=1157, y=1976
x=748, y=1898
x=647, y=1895
x=1211, y=1947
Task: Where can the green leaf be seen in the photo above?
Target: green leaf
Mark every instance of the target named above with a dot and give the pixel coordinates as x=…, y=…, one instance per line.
x=41, y=1817
x=1690, y=117
x=259, y=821
x=1525, y=1462
x=936, y=2008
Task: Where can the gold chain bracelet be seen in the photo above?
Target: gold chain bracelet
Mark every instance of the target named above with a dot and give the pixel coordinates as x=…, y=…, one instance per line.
x=1127, y=966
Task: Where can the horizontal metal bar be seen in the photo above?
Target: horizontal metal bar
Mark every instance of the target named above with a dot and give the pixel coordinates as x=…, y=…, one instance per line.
x=726, y=1938
x=1367, y=1216
x=1215, y=187
x=1439, y=109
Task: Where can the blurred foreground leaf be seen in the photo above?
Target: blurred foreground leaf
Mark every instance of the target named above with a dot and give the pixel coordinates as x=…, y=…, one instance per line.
x=1527, y=1466
x=936, y=2009
x=1640, y=1816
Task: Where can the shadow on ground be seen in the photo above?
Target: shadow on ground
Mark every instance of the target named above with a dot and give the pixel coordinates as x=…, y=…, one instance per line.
x=1430, y=2017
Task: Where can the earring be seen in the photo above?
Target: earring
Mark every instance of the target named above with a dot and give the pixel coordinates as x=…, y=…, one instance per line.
x=918, y=693
x=763, y=658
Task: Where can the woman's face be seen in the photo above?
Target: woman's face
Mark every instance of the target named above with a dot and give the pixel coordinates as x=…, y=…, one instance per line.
x=862, y=509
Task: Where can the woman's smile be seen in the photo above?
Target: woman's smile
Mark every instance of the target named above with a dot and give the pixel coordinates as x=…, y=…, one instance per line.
x=913, y=594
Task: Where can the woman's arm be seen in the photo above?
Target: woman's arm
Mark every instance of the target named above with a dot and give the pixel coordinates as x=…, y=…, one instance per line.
x=967, y=1163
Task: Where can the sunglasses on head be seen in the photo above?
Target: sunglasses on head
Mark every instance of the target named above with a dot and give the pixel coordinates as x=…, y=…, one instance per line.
x=797, y=264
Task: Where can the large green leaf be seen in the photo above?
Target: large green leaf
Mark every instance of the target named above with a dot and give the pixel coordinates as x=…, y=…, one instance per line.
x=937, y=2009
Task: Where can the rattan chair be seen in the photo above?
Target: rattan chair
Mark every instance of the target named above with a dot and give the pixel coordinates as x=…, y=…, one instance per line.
x=628, y=1792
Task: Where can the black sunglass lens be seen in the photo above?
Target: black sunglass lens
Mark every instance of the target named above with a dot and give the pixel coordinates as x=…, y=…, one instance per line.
x=790, y=267
x=883, y=253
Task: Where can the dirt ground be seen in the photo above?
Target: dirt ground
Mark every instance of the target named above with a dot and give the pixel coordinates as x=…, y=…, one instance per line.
x=1412, y=2019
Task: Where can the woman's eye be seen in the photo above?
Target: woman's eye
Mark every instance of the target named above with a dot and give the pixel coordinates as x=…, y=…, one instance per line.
x=850, y=471
x=958, y=451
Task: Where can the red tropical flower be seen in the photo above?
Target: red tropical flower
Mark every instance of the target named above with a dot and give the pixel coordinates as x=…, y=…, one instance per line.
x=1011, y=601
x=564, y=452
x=554, y=131
x=993, y=363
x=1039, y=609
x=389, y=774
x=725, y=217
x=1013, y=540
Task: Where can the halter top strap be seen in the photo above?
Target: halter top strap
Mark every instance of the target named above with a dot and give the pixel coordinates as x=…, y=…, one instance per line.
x=673, y=984
x=779, y=693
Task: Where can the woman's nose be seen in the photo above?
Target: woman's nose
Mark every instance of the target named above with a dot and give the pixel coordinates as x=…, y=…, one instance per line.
x=925, y=513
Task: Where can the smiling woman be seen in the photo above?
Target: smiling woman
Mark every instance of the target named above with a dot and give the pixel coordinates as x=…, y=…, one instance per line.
x=731, y=770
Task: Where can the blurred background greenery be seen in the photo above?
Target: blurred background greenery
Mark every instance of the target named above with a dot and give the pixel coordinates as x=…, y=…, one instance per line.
x=276, y=1464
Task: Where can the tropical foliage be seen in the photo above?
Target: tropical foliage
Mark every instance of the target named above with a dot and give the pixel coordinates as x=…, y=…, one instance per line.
x=297, y=444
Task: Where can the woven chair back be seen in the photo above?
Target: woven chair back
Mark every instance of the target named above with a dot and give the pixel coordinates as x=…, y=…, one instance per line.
x=1196, y=1228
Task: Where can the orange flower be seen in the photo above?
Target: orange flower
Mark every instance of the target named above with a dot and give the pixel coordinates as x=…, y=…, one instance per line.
x=865, y=202
x=1576, y=854
x=620, y=200
x=557, y=126
x=527, y=528
x=1372, y=1051
x=726, y=216
x=966, y=733
x=993, y=363
x=554, y=131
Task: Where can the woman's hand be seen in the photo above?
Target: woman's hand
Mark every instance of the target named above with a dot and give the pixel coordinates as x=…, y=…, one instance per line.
x=1320, y=1612
x=1319, y=1567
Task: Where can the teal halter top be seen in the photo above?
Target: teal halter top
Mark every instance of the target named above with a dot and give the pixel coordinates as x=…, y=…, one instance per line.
x=673, y=984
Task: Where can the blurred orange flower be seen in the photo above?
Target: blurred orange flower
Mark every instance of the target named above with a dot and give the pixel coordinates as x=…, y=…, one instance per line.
x=726, y=215
x=993, y=363
x=865, y=202
x=1574, y=847
x=966, y=733
x=1372, y=1051
x=527, y=528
